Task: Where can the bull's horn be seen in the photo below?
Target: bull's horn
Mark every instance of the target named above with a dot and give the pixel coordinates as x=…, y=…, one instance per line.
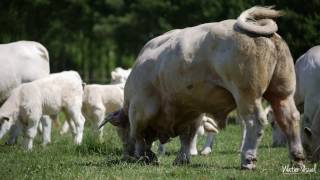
x=105, y=121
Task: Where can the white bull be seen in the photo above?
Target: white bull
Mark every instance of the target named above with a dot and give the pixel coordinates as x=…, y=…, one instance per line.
x=211, y=68
x=307, y=98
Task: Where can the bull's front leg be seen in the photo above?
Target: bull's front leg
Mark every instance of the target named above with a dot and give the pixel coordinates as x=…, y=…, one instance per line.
x=143, y=151
x=183, y=156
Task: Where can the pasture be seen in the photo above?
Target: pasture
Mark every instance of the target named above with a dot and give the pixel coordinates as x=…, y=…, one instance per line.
x=63, y=160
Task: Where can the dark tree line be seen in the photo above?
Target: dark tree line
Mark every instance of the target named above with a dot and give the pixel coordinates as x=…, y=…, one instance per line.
x=93, y=37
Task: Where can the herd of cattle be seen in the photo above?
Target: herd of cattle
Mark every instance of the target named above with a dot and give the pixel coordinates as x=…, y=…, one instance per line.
x=180, y=82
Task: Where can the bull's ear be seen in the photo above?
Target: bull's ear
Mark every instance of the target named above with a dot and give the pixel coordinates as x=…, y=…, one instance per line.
x=307, y=131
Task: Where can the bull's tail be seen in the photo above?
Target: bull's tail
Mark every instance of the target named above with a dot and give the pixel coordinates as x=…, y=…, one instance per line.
x=258, y=20
x=118, y=118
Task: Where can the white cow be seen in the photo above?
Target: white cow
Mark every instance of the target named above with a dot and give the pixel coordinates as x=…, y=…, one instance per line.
x=47, y=96
x=21, y=62
x=211, y=68
x=307, y=97
x=99, y=100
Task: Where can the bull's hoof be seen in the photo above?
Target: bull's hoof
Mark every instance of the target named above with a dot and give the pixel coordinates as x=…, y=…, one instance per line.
x=128, y=159
x=181, y=160
x=298, y=164
x=206, y=151
x=249, y=165
x=147, y=161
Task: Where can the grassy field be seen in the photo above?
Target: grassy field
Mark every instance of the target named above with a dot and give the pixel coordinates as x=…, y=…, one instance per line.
x=63, y=160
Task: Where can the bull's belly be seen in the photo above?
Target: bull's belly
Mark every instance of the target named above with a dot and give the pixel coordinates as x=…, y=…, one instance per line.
x=176, y=116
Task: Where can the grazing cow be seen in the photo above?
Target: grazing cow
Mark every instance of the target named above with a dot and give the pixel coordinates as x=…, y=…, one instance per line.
x=46, y=96
x=21, y=62
x=307, y=98
x=99, y=100
x=211, y=68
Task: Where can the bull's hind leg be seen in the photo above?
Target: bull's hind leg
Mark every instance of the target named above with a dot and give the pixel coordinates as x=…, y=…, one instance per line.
x=287, y=117
x=254, y=117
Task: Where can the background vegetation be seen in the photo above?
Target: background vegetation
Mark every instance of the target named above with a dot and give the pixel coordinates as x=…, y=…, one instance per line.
x=93, y=37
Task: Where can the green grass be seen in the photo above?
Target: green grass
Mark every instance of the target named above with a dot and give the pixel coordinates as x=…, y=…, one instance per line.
x=63, y=160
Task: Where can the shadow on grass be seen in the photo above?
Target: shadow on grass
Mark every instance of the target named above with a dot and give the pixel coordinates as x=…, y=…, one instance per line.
x=104, y=163
x=101, y=149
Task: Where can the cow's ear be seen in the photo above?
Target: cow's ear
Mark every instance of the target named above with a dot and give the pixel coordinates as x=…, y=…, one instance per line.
x=307, y=131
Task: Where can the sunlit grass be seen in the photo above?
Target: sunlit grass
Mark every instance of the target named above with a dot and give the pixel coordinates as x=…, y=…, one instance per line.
x=63, y=160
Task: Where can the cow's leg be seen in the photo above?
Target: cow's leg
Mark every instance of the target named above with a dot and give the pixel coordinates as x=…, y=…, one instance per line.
x=77, y=118
x=98, y=118
x=15, y=131
x=65, y=128
x=207, y=148
x=29, y=132
x=287, y=117
x=254, y=119
x=161, y=149
x=46, y=122
x=193, y=145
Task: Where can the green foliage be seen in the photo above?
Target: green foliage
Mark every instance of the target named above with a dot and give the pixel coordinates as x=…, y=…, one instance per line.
x=93, y=37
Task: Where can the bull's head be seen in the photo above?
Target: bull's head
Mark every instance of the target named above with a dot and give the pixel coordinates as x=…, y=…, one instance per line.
x=121, y=121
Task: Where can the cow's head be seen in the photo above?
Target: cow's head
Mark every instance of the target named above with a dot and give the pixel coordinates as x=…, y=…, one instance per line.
x=5, y=124
x=311, y=144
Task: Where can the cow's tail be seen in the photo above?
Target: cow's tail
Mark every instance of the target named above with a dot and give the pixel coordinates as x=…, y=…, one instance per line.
x=118, y=118
x=258, y=20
